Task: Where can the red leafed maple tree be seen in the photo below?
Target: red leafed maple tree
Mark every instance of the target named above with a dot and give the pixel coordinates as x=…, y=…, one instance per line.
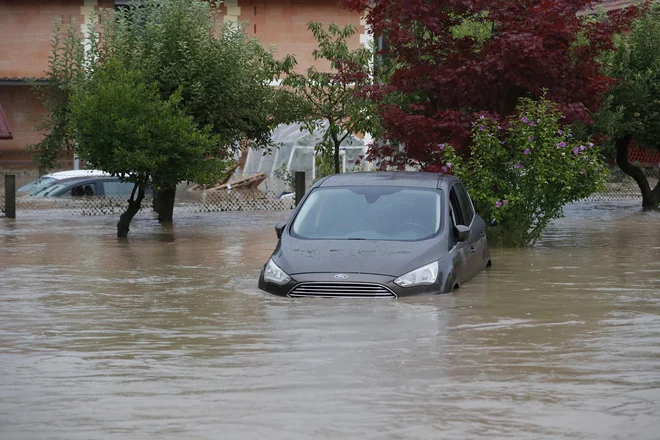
x=454, y=60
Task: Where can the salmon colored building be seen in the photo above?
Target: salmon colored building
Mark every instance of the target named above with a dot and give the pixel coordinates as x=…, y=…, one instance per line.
x=26, y=28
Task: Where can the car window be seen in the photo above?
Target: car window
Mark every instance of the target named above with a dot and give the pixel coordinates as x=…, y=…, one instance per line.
x=51, y=190
x=370, y=213
x=37, y=185
x=117, y=188
x=82, y=190
x=456, y=213
x=466, y=204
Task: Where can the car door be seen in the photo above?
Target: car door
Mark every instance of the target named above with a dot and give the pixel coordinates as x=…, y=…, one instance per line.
x=459, y=251
x=476, y=244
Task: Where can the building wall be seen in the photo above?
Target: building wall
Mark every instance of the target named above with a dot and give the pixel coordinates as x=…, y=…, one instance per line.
x=20, y=105
x=283, y=23
x=26, y=30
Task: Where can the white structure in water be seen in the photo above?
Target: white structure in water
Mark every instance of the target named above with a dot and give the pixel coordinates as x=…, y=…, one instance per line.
x=294, y=151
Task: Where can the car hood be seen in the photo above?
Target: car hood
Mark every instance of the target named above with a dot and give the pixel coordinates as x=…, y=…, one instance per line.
x=392, y=258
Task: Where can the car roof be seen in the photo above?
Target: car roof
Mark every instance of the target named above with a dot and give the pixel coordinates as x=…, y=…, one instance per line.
x=86, y=179
x=416, y=179
x=60, y=175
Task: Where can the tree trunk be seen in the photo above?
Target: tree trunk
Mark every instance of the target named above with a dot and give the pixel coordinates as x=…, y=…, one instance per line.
x=134, y=205
x=650, y=197
x=164, y=203
x=337, y=143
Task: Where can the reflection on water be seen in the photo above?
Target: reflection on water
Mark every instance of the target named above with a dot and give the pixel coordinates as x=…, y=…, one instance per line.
x=166, y=336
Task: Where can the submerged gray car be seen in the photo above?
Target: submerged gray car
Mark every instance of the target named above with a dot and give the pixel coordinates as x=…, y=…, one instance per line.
x=378, y=234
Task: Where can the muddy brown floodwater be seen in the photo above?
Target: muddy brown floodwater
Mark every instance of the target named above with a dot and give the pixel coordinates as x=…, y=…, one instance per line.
x=166, y=336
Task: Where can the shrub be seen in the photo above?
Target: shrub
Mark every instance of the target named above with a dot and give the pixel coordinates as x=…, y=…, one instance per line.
x=521, y=176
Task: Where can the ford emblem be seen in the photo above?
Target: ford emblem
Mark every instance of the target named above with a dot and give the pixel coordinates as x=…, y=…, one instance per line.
x=341, y=276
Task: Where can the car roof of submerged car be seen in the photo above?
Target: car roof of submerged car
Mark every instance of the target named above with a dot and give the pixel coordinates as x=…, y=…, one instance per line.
x=86, y=179
x=414, y=179
x=69, y=174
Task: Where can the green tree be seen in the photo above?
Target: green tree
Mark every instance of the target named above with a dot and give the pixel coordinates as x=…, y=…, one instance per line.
x=221, y=76
x=224, y=77
x=124, y=127
x=631, y=111
x=522, y=176
x=336, y=96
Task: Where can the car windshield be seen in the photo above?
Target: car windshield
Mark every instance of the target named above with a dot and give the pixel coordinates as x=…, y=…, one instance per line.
x=370, y=213
x=37, y=185
x=51, y=189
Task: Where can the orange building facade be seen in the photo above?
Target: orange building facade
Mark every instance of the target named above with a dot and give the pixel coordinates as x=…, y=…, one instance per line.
x=26, y=29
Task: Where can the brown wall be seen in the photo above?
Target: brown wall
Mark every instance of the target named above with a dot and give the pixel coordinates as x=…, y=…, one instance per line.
x=20, y=106
x=26, y=27
x=283, y=23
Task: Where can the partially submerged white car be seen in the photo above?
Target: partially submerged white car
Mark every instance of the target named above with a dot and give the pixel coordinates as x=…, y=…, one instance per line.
x=50, y=179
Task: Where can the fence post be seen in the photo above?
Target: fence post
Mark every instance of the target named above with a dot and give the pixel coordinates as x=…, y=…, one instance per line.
x=10, y=196
x=300, y=186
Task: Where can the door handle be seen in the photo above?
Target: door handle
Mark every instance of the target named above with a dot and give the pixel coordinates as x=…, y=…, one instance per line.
x=482, y=233
x=472, y=249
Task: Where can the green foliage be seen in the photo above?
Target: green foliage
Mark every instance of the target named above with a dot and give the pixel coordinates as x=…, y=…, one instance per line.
x=478, y=27
x=124, y=127
x=522, y=176
x=335, y=95
x=633, y=105
x=224, y=77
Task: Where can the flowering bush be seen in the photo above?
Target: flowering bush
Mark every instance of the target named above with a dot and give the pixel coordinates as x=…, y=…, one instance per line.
x=521, y=176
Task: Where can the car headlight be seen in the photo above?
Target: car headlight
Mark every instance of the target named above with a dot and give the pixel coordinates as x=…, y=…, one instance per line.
x=273, y=274
x=424, y=275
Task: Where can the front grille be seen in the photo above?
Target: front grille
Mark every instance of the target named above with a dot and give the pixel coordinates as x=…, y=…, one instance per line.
x=342, y=290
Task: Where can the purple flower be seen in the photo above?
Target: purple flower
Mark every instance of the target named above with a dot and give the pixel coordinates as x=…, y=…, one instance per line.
x=443, y=169
x=531, y=123
x=505, y=202
x=498, y=204
x=582, y=148
x=525, y=120
x=482, y=117
x=490, y=135
x=516, y=166
x=482, y=128
x=590, y=145
x=569, y=135
x=502, y=143
x=560, y=133
x=526, y=151
x=499, y=128
x=576, y=150
x=442, y=146
x=562, y=144
x=591, y=162
x=531, y=138
x=448, y=165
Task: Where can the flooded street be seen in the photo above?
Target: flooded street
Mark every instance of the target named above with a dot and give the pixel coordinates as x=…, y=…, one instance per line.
x=166, y=336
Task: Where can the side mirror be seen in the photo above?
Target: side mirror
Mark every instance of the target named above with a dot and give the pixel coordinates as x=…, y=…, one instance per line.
x=279, y=228
x=462, y=232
